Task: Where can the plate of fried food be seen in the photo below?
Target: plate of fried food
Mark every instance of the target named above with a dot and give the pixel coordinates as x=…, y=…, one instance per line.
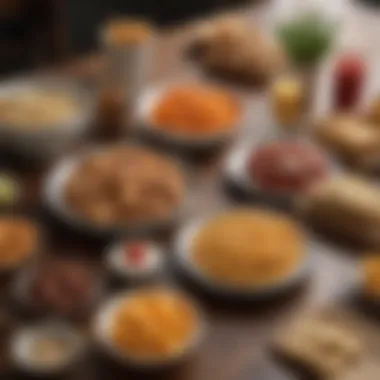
x=118, y=189
x=149, y=328
x=189, y=115
x=41, y=116
x=244, y=252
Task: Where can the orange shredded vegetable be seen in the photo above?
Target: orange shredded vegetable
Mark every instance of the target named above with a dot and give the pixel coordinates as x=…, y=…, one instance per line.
x=195, y=109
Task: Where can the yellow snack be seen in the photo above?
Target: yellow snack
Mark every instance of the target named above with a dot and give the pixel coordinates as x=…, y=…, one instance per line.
x=248, y=248
x=153, y=324
x=371, y=275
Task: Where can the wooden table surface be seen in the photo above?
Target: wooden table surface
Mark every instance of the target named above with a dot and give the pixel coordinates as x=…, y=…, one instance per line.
x=237, y=343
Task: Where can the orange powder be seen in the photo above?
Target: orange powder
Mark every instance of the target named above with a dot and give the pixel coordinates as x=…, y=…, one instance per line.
x=196, y=110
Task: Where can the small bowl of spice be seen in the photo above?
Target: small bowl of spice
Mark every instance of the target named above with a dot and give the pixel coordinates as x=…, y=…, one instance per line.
x=135, y=261
x=46, y=349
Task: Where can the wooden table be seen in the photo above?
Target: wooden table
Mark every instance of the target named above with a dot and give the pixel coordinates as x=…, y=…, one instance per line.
x=237, y=343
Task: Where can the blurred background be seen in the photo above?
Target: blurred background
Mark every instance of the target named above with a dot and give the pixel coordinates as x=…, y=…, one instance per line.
x=34, y=32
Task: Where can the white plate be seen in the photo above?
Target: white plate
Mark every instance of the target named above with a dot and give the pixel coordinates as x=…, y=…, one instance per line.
x=145, y=106
x=54, y=199
x=235, y=170
x=182, y=251
x=103, y=323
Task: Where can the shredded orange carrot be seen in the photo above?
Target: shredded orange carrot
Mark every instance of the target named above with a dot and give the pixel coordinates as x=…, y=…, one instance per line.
x=196, y=109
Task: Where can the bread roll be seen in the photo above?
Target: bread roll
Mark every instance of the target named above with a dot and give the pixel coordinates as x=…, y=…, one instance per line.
x=348, y=206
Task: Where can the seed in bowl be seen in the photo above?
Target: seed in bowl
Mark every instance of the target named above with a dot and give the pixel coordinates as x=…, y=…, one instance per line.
x=154, y=324
x=195, y=110
x=19, y=240
x=124, y=185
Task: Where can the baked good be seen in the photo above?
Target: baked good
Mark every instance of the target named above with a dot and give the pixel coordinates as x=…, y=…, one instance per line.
x=227, y=47
x=323, y=348
x=347, y=205
x=286, y=166
x=154, y=323
x=124, y=184
x=248, y=248
x=352, y=139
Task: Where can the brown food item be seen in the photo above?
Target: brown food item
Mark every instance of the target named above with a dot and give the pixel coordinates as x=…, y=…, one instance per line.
x=346, y=205
x=324, y=348
x=371, y=276
x=123, y=185
x=196, y=110
x=227, y=47
x=373, y=115
x=248, y=248
x=352, y=139
x=124, y=32
x=154, y=324
x=61, y=287
x=19, y=238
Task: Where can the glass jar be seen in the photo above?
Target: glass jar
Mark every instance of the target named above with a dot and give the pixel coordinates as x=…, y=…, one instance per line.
x=127, y=47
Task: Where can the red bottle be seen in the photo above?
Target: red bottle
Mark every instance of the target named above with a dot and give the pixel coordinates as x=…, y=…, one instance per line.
x=348, y=83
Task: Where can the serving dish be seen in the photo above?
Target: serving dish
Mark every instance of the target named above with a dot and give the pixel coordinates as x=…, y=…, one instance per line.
x=186, y=265
x=117, y=263
x=53, y=139
x=102, y=325
x=145, y=105
x=236, y=173
x=21, y=348
x=55, y=202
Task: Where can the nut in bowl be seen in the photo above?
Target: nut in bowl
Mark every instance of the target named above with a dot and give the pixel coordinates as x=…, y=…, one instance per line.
x=149, y=328
x=189, y=115
x=117, y=190
x=252, y=253
x=43, y=116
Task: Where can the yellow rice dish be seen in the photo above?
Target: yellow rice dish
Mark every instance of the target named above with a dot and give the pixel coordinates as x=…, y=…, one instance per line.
x=248, y=248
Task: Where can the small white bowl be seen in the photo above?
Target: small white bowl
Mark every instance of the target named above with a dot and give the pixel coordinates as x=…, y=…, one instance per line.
x=146, y=103
x=116, y=263
x=22, y=342
x=47, y=141
x=185, y=263
x=54, y=199
x=103, y=323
